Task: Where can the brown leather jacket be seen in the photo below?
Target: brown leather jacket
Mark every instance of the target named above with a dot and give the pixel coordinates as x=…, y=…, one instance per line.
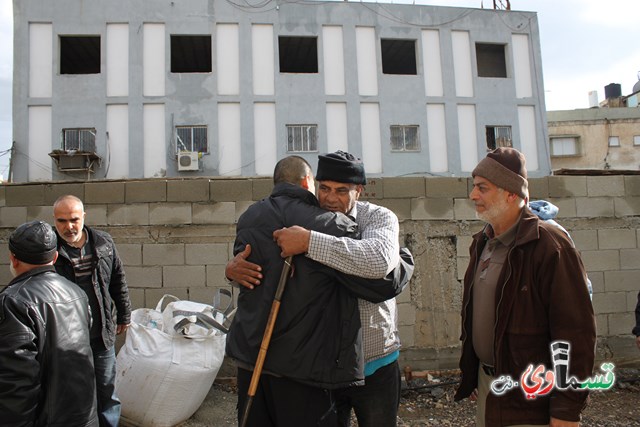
x=541, y=297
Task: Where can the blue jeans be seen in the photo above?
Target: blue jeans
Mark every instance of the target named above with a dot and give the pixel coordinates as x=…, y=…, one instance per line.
x=375, y=403
x=104, y=362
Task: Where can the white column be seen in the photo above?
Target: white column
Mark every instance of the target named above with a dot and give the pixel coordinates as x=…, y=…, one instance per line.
x=40, y=164
x=154, y=140
x=40, y=60
x=228, y=59
x=153, y=60
x=333, y=55
x=117, y=59
x=263, y=55
x=366, y=60
x=437, y=134
x=468, y=137
x=371, y=140
x=462, y=69
x=264, y=128
x=117, y=141
x=229, y=152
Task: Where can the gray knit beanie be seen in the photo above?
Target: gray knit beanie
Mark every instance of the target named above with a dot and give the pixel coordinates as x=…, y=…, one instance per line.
x=505, y=167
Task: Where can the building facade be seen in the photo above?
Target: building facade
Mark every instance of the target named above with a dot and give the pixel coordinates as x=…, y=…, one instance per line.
x=135, y=89
x=595, y=138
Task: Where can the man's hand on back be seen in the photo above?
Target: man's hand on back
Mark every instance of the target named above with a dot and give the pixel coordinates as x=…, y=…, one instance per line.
x=292, y=240
x=242, y=271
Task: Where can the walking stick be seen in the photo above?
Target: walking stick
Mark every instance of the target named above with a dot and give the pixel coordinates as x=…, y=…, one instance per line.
x=266, y=338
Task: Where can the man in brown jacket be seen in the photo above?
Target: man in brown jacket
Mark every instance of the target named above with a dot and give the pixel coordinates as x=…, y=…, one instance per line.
x=525, y=288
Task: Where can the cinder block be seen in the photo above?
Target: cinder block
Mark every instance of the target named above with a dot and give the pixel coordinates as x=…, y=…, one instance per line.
x=163, y=254
x=626, y=280
x=4, y=256
x=184, y=276
x=13, y=216
x=610, y=302
x=602, y=260
x=566, y=207
x=145, y=191
x=5, y=274
x=602, y=186
x=630, y=260
x=3, y=198
x=169, y=213
x=400, y=207
x=130, y=253
x=24, y=195
x=432, y=208
x=202, y=295
x=626, y=206
x=632, y=185
x=205, y=254
x=594, y=207
x=43, y=213
x=462, y=265
x=446, y=187
x=602, y=325
x=539, y=188
x=405, y=295
x=464, y=209
x=621, y=323
x=617, y=238
x=137, y=298
x=262, y=188
x=53, y=191
x=567, y=186
x=463, y=243
x=407, y=335
x=135, y=214
x=632, y=300
x=104, y=192
x=585, y=240
x=374, y=189
x=230, y=190
x=153, y=296
x=143, y=277
x=406, y=314
x=214, y=213
x=395, y=188
x=597, y=281
x=96, y=215
x=215, y=276
x=188, y=190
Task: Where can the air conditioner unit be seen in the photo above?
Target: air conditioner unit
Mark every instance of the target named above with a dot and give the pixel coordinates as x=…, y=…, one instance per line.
x=188, y=161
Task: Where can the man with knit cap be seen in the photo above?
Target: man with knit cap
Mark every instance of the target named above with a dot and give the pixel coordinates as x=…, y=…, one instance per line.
x=525, y=288
x=46, y=364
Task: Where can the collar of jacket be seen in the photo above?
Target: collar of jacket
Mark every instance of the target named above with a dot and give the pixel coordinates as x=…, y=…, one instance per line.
x=290, y=190
x=526, y=232
x=31, y=272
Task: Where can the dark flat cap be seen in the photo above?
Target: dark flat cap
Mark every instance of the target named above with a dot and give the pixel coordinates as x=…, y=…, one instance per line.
x=34, y=243
x=341, y=167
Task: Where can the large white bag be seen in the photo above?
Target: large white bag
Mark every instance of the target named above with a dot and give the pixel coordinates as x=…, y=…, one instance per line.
x=164, y=371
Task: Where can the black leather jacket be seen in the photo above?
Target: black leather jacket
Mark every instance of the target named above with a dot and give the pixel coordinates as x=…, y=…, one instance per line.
x=46, y=364
x=317, y=336
x=108, y=275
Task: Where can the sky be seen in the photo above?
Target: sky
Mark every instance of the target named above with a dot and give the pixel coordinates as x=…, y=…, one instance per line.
x=586, y=44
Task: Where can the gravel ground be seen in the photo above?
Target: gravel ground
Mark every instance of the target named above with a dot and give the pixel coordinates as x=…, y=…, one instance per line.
x=431, y=404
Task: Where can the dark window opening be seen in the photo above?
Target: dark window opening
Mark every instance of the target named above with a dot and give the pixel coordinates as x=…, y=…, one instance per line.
x=498, y=136
x=491, y=60
x=398, y=56
x=298, y=54
x=190, y=54
x=79, y=54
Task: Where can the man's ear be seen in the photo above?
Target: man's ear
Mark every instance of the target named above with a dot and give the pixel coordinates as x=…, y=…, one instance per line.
x=359, y=189
x=13, y=260
x=307, y=183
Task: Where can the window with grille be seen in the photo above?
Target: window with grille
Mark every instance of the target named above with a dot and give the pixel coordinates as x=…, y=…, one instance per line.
x=498, y=136
x=405, y=138
x=564, y=146
x=192, y=138
x=302, y=138
x=79, y=139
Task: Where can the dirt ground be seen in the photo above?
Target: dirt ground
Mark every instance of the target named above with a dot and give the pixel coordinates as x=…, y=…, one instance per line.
x=431, y=404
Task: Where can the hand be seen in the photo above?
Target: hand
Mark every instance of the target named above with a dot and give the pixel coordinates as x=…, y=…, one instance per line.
x=474, y=395
x=121, y=328
x=638, y=341
x=293, y=240
x=554, y=422
x=242, y=271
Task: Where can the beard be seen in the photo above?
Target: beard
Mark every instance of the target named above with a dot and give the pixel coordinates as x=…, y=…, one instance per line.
x=492, y=213
x=13, y=272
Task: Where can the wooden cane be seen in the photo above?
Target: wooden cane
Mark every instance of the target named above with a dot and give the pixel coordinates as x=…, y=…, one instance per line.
x=266, y=338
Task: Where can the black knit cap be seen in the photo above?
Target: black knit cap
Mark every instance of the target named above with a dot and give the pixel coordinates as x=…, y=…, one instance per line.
x=34, y=243
x=506, y=168
x=341, y=167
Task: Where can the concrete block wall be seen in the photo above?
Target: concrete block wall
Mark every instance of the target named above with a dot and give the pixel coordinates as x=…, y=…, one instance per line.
x=176, y=235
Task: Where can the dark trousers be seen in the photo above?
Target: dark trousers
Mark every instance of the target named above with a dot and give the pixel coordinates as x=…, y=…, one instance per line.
x=376, y=403
x=280, y=402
